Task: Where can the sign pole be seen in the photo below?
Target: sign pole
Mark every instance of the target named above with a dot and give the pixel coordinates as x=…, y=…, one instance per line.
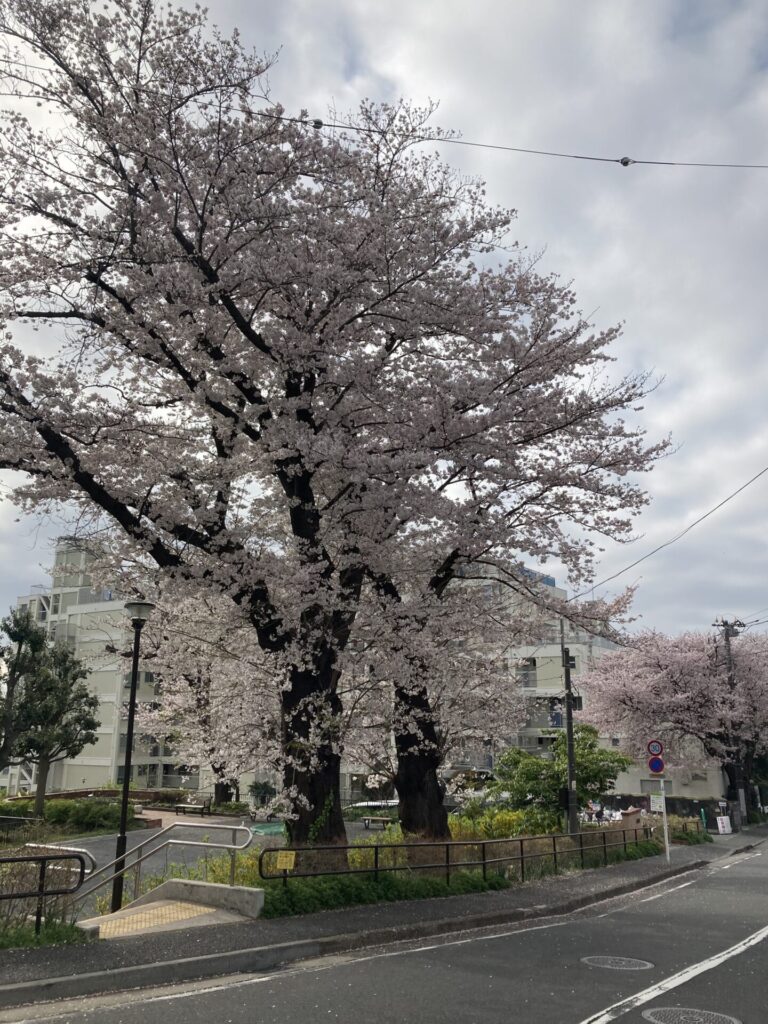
x=664, y=816
x=656, y=767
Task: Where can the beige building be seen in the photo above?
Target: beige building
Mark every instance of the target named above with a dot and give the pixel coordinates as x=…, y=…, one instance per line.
x=95, y=625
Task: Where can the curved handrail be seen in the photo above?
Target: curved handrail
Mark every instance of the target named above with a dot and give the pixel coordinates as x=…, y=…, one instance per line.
x=66, y=849
x=232, y=847
x=41, y=892
x=44, y=859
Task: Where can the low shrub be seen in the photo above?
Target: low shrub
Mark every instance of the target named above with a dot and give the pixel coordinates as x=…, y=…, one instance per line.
x=52, y=933
x=500, y=823
x=308, y=895
x=88, y=815
x=232, y=807
x=690, y=838
x=17, y=808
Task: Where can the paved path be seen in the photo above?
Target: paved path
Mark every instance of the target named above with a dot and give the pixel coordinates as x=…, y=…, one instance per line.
x=536, y=974
x=393, y=919
x=703, y=938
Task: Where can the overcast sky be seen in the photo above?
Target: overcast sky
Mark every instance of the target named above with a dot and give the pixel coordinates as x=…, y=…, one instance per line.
x=678, y=254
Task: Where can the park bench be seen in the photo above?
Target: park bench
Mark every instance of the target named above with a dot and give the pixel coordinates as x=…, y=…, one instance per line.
x=368, y=821
x=194, y=808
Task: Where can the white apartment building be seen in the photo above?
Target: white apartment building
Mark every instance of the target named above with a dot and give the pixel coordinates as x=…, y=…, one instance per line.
x=95, y=625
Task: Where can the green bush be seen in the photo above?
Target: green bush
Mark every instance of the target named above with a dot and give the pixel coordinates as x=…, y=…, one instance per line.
x=53, y=933
x=88, y=815
x=500, y=823
x=17, y=808
x=232, y=807
x=690, y=838
x=308, y=895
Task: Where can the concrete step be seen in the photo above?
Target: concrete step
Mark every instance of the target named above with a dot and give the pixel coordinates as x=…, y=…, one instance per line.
x=158, y=916
x=179, y=903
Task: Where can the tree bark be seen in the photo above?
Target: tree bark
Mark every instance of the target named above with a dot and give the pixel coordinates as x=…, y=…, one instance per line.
x=313, y=763
x=419, y=789
x=43, y=767
x=222, y=793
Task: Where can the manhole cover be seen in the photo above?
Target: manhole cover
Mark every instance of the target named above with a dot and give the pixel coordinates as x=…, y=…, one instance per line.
x=617, y=963
x=683, y=1015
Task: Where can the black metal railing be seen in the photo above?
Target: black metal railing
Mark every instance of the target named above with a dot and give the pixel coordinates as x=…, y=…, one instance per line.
x=686, y=826
x=527, y=854
x=40, y=893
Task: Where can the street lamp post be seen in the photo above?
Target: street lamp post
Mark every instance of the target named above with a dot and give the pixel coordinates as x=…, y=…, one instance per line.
x=139, y=612
x=573, y=802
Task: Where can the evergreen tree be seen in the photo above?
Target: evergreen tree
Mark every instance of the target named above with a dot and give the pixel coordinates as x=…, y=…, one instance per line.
x=58, y=713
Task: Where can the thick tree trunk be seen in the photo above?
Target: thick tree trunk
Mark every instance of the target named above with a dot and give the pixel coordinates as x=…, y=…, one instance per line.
x=418, y=786
x=222, y=793
x=310, y=712
x=43, y=767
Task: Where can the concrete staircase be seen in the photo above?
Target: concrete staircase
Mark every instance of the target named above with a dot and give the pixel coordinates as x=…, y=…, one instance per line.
x=179, y=903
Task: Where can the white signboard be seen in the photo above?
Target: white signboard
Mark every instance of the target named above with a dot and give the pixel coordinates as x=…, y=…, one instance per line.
x=724, y=826
x=657, y=803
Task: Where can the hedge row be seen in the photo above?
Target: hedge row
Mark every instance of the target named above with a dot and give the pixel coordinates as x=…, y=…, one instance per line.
x=90, y=815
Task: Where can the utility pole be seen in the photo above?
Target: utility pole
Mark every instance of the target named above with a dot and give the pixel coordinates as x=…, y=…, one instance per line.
x=568, y=664
x=732, y=629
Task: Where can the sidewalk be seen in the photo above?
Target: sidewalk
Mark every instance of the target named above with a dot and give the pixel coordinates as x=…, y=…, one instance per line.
x=30, y=975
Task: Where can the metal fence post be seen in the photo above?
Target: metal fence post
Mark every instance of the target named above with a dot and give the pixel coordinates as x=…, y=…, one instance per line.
x=232, y=858
x=605, y=850
x=624, y=836
x=522, y=862
x=554, y=853
x=447, y=863
x=581, y=847
x=40, y=897
x=376, y=862
x=485, y=866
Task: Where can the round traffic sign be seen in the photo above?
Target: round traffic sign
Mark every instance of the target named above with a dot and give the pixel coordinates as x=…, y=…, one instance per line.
x=655, y=747
x=656, y=765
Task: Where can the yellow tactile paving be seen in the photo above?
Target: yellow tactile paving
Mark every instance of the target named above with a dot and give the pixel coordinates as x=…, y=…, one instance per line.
x=151, y=916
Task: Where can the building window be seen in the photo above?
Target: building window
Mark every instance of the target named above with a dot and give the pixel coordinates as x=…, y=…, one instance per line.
x=654, y=786
x=55, y=604
x=556, y=713
x=526, y=672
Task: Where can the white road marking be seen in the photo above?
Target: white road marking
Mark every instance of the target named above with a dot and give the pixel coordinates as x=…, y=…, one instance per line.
x=667, y=891
x=43, y=1012
x=632, y=1002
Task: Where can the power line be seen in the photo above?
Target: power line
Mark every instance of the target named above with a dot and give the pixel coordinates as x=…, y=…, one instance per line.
x=677, y=537
x=623, y=161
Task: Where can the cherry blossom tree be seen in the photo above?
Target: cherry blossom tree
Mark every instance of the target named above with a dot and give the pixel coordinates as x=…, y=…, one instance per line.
x=679, y=689
x=218, y=700
x=302, y=369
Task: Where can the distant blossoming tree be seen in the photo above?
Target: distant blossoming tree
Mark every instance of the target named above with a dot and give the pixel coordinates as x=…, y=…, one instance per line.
x=297, y=369
x=679, y=689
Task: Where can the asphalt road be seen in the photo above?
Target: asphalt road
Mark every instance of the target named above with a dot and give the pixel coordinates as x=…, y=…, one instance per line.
x=704, y=935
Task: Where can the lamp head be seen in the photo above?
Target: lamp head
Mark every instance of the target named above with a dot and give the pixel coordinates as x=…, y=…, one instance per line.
x=139, y=611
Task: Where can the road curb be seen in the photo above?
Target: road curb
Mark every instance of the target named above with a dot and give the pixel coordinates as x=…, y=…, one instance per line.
x=259, y=958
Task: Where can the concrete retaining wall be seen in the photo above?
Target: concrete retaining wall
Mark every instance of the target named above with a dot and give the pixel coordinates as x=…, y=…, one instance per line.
x=239, y=899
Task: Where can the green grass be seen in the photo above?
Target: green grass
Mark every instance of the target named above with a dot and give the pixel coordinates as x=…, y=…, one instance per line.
x=53, y=933
x=308, y=895
x=690, y=838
